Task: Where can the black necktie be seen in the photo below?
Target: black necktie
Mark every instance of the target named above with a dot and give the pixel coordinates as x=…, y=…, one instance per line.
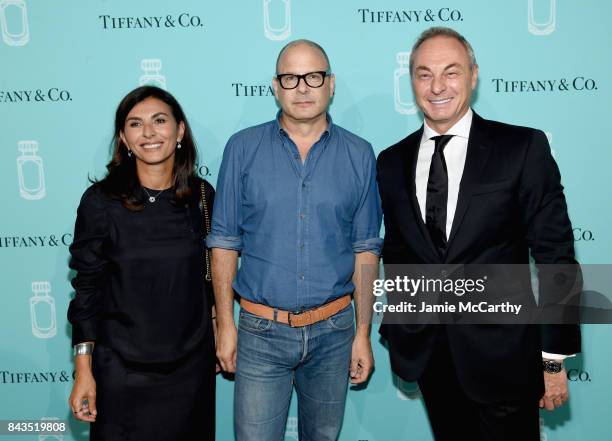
x=437, y=195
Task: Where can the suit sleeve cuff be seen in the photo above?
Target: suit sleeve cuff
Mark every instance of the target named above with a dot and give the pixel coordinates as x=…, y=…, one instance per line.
x=83, y=331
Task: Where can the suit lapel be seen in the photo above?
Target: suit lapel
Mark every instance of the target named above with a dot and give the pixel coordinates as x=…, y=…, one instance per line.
x=411, y=156
x=476, y=158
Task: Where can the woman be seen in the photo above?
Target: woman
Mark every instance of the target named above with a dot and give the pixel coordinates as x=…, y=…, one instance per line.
x=141, y=305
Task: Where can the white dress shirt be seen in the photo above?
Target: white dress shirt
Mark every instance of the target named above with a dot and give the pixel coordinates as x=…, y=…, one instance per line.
x=454, y=155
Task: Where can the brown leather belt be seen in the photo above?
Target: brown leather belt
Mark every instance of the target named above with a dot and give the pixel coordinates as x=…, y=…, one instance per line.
x=296, y=320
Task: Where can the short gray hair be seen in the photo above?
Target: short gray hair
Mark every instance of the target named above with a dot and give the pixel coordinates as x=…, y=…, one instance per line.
x=440, y=31
x=307, y=43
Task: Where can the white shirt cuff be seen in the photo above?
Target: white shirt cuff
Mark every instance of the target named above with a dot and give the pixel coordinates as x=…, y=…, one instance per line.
x=558, y=357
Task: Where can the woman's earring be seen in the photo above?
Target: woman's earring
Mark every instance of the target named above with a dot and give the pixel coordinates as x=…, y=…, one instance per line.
x=178, y=145
x=129, y=153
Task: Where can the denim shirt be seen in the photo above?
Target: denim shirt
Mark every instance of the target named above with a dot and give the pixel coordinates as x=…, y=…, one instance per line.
x=296, y=225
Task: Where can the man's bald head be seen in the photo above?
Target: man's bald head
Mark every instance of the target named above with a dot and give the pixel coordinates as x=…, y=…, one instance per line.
x=301, y=42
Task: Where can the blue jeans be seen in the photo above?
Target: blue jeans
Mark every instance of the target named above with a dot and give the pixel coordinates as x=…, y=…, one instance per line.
x=273, y=357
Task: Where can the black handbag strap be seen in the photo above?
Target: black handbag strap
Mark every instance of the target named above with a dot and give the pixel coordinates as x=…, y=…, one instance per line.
x=207, y=272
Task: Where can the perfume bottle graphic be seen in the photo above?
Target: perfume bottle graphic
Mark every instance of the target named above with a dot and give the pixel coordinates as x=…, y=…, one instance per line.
x=49, y=437
x=42, y=311
x=547, y=25
x=277, y=19
x=291, y=431
x=30, y=171
x=404, y=102
x=14, y=22
x=151, y=75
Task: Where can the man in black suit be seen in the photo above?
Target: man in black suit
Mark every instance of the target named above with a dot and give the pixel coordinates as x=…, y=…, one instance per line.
x=465, y=190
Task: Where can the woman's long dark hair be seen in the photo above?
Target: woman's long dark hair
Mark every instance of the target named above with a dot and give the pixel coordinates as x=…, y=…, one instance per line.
x=121, y=181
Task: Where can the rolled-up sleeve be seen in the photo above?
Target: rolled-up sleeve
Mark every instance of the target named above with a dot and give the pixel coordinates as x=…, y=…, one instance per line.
x=368, y=216
x=226, y=229
x=88, y=260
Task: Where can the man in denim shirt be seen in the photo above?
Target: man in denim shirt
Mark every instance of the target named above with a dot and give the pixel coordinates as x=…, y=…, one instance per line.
x=297, y=199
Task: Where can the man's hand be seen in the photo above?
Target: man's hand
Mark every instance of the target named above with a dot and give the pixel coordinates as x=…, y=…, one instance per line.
x=555, y=390
x=214, y=326
x=362, y=360
x=224, y=265
x=227, y=343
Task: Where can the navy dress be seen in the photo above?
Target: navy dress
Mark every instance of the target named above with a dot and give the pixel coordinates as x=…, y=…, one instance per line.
x=140, y=296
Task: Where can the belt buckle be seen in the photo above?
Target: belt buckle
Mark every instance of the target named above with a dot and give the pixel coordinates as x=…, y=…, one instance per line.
x=307, y=314
x=289, y=315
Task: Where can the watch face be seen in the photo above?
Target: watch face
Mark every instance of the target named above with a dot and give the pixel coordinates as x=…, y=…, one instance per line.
x=552, y=367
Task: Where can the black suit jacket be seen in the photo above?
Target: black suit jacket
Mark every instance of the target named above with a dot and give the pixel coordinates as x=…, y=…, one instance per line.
x=510, y=203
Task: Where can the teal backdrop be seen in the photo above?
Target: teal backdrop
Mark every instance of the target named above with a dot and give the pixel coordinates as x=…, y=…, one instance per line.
x=65, y=65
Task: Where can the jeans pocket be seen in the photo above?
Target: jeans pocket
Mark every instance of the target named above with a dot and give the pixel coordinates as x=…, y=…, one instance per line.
x=344, y=319
x=251, y=322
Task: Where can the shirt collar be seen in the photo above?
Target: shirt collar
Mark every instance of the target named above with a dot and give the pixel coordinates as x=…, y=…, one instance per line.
x=461, y=128
x=328, y=131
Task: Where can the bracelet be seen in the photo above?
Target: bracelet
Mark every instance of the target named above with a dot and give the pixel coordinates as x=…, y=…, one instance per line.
x=83, y=349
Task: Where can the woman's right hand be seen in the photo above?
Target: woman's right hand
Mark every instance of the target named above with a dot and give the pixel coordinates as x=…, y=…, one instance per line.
x=83, y=397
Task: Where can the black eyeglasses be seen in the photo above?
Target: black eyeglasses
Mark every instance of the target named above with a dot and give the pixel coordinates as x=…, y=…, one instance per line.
x=312, y=79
